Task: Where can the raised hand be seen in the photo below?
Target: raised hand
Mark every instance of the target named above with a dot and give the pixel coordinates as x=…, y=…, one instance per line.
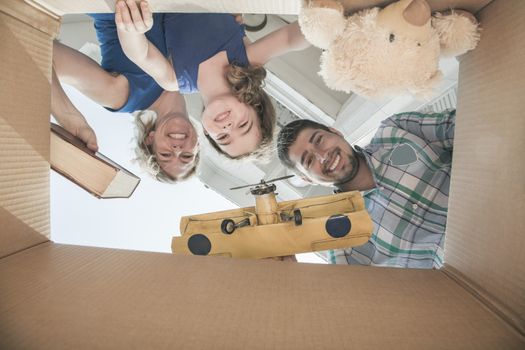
x=132, y=22
x=132, y=18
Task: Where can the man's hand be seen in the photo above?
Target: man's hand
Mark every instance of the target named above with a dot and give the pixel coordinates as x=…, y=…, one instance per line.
x=131, y=18
x=289, y=258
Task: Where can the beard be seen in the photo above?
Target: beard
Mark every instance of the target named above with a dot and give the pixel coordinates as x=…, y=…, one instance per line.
x=353, y=161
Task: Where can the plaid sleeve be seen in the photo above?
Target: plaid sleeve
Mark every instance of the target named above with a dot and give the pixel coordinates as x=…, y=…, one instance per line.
x=435, y=128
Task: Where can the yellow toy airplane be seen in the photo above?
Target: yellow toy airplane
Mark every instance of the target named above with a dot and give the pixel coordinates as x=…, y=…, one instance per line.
x=272, y=229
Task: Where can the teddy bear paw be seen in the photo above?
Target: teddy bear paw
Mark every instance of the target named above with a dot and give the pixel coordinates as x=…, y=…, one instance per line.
x=458, y=32
x=322, y=22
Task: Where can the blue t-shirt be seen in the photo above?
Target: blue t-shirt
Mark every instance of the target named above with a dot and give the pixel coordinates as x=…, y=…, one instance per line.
x=187, y=38
x=192, y=38
x=143, y=90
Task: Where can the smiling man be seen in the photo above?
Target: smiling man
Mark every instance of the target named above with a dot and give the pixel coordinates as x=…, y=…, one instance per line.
x=404, y=173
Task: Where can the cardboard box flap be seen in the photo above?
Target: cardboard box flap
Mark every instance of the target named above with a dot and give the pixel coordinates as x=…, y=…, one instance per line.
x=16, y=234
x=26, y=74
x=285, y=7
x=31, y=15
x=80, y=297
x=25, y=51
x=485, y=239
x=436, y=5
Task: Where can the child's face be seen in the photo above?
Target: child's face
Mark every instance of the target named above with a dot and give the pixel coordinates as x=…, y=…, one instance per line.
x=175, y=144
x=233, y=125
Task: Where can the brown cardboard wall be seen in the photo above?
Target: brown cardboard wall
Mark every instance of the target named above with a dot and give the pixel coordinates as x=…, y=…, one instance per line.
x=436, y=5
x=287, y=7
x=485, y=238
x=67, y=297
x=62, y=7
x=25, y=52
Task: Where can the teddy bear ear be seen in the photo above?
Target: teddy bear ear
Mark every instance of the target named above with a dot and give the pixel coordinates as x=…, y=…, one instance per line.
x=322, y=22
x=458, y=32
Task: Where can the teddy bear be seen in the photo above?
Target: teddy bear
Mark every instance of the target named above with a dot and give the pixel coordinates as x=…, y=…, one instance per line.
x=383, y=52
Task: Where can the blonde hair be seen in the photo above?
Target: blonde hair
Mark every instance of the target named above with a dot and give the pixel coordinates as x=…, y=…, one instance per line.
x=144, y=153
x=247, y=86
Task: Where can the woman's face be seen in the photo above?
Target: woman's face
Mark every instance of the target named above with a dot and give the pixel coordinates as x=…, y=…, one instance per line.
x=175, y=144
x=233, y=125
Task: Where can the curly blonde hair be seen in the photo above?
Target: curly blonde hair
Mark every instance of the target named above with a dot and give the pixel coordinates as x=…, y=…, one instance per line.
x=247, y=85
x=144, y=153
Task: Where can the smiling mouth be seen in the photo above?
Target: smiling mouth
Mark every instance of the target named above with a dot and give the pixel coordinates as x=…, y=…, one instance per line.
x=177, y=136
x=333, y=162
x=221, y=116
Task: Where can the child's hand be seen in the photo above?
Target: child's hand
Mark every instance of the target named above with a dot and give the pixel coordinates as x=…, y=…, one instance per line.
x=238, y=18
x=131, y=18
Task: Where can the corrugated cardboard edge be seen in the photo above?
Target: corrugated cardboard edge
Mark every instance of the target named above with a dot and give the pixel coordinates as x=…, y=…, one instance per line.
x=24, y=182
x=26, y=63
x=74, y=297
x=496, y=306
x=284, y=7
x=473, y=6
x=26, y=53
x=35, y=16
x=280, y=7
x=25, y=237
x=487, y=192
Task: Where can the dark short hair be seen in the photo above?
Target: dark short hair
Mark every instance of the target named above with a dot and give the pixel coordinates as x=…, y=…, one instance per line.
x=288, y=135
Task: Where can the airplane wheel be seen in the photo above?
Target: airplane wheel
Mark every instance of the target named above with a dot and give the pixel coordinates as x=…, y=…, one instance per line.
x=338, y=225
x=199, y=244
x=297, y=217
x=227, y=226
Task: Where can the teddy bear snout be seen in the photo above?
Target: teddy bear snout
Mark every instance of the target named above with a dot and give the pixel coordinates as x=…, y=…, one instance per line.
x=417, y=13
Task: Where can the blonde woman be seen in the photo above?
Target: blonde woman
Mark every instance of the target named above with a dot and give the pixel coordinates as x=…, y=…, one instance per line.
x=167, y=141
x=209, y=53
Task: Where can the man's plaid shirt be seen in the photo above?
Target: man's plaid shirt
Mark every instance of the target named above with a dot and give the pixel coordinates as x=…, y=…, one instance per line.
x=410, y=157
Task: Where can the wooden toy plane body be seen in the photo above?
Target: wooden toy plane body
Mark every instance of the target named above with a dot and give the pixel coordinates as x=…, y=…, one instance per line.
x=275, y=229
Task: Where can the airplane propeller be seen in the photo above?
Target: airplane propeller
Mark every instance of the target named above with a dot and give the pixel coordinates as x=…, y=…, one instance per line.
x=263, y=182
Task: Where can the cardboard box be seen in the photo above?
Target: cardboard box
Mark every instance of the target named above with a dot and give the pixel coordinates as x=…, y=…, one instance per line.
x=70, y=297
